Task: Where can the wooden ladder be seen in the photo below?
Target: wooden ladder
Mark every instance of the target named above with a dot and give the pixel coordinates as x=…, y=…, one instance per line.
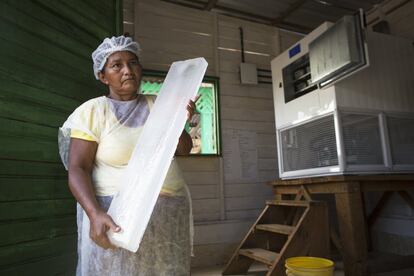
x=285, y=228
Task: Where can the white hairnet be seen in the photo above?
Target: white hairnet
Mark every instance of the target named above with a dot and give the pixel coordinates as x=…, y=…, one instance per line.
x=110, y=46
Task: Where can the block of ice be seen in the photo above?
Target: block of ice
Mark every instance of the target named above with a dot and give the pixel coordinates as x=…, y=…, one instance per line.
x=132, y=206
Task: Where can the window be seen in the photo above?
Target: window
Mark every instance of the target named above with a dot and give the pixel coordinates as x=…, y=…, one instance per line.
x=204, y=126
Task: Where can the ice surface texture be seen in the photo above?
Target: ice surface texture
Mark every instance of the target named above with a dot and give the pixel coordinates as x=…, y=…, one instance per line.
x=132, y=206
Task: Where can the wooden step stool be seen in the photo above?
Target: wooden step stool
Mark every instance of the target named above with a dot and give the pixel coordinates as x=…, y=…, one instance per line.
x=285, y=228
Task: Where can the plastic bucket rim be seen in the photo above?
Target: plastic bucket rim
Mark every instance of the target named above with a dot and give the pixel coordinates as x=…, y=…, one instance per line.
x=328, y=263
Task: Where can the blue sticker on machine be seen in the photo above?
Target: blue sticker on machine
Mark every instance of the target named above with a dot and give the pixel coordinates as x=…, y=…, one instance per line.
x=294, y=51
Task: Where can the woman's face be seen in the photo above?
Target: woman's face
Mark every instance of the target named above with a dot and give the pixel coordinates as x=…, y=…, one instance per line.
x=122, y=73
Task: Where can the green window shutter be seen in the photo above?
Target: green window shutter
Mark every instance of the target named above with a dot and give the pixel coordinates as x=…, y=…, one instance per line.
x=45, y=73
x=205, y=106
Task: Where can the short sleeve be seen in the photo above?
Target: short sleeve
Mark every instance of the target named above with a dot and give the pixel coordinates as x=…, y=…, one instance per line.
x=74, y=133
x=86, y=123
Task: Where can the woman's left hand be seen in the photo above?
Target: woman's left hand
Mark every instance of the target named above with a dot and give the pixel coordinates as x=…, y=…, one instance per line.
x=191, y=108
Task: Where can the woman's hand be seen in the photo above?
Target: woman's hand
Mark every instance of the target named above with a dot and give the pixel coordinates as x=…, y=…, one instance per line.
x=191, y=108
x=101, y=222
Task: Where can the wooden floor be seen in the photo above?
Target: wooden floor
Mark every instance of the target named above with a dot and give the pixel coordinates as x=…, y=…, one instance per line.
x=258, y=271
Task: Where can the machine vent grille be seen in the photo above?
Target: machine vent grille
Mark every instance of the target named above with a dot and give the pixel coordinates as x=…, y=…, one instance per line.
x=362, y=139
x=401, y=133
x=310, y=145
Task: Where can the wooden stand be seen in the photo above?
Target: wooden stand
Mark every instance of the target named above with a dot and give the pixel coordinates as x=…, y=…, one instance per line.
x=285, y=228
x=353, y=225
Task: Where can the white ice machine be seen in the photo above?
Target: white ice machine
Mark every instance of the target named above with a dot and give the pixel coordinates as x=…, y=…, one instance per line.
x=344, y=102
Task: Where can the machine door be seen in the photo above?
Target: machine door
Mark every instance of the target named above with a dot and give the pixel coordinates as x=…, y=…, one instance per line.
x=339, y=52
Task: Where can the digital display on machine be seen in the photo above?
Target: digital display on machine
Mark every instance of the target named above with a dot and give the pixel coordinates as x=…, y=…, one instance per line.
x=294, y=51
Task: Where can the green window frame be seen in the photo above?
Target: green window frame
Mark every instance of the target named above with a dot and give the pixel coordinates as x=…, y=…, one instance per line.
x=204, y=128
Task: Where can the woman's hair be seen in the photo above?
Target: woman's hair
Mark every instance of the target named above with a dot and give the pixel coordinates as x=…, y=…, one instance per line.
x=110, y=46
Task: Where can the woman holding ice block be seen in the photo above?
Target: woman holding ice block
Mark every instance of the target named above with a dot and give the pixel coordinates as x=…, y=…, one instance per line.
x=96, y=143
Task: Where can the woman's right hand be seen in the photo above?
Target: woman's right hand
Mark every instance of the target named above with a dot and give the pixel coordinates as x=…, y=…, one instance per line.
x=101, y=222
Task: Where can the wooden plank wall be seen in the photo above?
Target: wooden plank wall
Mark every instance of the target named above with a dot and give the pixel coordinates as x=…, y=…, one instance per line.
x=247, y=108
x=168, y=33
x=400, y=18
x=128, y=16
x=45, y=72
x=288, y=38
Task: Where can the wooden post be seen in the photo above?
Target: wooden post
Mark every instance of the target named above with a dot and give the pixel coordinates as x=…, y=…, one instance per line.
x=352, y=229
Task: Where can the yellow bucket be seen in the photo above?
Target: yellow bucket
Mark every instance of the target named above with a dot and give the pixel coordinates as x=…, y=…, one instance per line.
x=309, y=266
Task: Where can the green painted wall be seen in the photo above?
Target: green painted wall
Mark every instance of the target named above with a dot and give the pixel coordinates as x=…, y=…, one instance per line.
x=45, y=72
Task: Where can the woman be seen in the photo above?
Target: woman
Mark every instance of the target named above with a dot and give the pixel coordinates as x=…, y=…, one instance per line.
x=103, y=132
